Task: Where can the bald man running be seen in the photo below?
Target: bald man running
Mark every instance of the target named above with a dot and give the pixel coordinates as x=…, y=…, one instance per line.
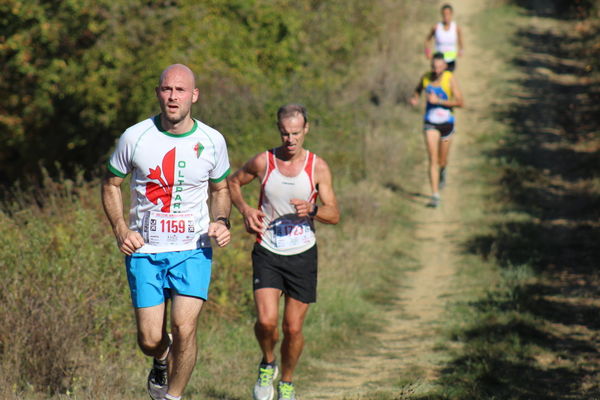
x=176, y=163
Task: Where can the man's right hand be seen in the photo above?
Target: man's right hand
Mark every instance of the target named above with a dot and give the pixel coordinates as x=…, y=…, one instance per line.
x=129, y=241
x=428, y=53
x=253, y=220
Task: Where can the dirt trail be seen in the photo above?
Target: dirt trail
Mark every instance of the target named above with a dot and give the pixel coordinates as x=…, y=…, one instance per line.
x=406, y=345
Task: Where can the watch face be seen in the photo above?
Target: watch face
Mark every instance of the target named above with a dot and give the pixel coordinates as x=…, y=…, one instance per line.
x=226, y=221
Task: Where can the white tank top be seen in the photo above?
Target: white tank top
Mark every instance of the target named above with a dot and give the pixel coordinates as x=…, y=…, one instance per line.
x=445, y=40
x=286, y=233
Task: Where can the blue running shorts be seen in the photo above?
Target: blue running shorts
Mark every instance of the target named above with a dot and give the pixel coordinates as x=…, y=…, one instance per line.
x=152, y=276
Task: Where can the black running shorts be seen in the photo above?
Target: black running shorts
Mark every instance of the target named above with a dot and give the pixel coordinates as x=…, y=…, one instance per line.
x=295, y=275
x=451, y=65
x=446, y=130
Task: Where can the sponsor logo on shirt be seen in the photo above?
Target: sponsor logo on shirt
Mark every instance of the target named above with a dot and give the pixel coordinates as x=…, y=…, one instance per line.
x=162, y=191
x=198, y=149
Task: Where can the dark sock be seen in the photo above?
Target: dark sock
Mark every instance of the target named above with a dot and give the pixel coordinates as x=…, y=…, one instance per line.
x=162, y=363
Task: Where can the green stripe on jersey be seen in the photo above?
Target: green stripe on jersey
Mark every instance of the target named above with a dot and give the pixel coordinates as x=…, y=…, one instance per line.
x=221, y=177
x=115, y=171
x=160, y=128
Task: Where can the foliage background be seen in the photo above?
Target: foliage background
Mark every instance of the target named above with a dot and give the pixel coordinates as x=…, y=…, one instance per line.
x=76, y=73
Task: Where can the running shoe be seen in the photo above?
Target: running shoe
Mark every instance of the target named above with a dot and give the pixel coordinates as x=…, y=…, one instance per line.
x=286, y=391
x=157, y=378
x=442, y=183
x=263, y=389
x=435, y=201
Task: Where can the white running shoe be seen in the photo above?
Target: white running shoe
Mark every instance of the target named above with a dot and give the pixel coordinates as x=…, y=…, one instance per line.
x=263, y=389
x=286, y=391
x=435, y=201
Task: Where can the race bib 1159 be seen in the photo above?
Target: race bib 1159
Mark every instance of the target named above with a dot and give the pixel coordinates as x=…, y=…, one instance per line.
x=169, y=229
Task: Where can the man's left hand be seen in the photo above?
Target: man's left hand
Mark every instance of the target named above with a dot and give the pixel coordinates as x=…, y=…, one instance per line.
x=219, y=232
x=303, y=207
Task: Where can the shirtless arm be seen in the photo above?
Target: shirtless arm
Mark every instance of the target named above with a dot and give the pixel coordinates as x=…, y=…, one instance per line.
x=328, y=212
x=461, y=47
x=128, y=241
x=252, y=169
x=457, y=97
x=430, y=36
x=414, y=99
x=220, y=207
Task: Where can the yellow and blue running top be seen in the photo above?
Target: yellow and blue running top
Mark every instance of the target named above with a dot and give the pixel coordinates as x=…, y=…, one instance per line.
x=436, y=113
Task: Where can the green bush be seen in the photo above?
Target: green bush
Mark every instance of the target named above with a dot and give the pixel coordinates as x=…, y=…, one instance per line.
x=77, y=73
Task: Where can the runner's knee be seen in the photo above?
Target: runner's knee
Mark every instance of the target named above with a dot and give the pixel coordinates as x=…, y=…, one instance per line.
x=184, y=331
x=292, y=329
x=149, y=342
x=266, y=324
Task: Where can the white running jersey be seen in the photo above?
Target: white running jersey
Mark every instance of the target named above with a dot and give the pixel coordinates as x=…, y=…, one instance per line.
x=446, y=41
x=286, y=233
x=169, y=182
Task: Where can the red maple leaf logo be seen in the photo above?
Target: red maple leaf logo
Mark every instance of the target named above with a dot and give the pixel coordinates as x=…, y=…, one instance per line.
x=164, y=188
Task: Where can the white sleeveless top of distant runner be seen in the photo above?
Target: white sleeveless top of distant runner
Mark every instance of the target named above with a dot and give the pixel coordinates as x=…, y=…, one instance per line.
x=286, y=233
x=446, y=41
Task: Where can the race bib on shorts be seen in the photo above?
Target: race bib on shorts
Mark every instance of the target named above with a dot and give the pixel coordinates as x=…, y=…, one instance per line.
x=289, y=234
x=169, y=229
x=438, y=115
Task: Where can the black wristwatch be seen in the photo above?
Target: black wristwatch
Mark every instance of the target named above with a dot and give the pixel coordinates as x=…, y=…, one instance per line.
x=314, y=211
x=225, y=220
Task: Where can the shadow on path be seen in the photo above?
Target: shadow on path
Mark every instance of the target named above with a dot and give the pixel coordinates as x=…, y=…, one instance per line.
x=538, y=338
